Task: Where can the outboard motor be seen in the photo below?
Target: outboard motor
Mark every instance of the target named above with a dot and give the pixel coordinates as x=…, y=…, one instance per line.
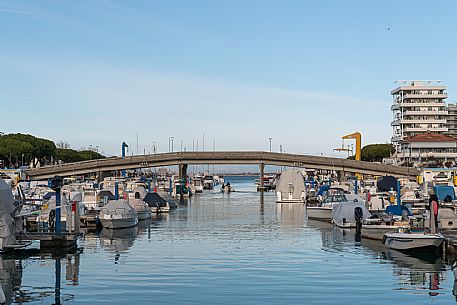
x=358, y=215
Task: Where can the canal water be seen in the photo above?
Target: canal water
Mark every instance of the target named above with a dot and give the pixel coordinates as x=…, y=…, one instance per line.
x=232, y=248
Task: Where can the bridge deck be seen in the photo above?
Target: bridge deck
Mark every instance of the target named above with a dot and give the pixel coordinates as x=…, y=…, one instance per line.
x=221, y=157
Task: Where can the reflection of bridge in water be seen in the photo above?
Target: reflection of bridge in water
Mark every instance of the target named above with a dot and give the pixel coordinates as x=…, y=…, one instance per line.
x=183, y=159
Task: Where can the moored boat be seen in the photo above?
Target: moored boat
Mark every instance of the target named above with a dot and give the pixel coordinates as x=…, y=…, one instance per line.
x=118, y=214
x=323, y=211
x=413, y=241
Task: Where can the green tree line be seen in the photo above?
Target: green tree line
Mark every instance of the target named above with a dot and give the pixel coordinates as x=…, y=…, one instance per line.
x=18, y=149
x=376, y=152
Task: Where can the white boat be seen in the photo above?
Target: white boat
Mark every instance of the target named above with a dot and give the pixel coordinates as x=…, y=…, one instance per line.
x=198, y=185
x=323, y=211
x=118, y=214
x=413, y=241
x=291, y=187
x=11, y=222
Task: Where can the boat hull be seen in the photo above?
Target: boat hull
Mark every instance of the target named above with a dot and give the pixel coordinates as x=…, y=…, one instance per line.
x=319, y=213
x=412, y=241
x=119, y=223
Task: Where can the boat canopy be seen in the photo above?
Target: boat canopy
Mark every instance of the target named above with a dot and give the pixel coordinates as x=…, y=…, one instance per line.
x=154, y=199
x=344, y=211
x=291, y=181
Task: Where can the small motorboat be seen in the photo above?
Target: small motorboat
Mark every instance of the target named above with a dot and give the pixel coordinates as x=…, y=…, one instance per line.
x=413, y=241
x=323, y=211
x=142, y=209
x=226, y=188
x=118, y=214
x=156, y=203
x=291, y=187
x=405, y=241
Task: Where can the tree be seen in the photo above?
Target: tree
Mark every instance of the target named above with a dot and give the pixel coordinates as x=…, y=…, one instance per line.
x=377, y=152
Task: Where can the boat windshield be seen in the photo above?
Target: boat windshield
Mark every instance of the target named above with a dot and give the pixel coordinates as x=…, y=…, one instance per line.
x=335, y=195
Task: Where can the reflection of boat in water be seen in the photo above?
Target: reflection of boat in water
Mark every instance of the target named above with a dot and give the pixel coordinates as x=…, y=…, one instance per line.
x=291, y=215
x=117, y=240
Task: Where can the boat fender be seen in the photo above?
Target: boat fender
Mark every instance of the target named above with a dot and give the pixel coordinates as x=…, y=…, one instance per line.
x=384, y=240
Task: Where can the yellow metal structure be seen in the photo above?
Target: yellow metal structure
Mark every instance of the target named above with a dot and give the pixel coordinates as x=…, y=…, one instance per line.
x=358, y=144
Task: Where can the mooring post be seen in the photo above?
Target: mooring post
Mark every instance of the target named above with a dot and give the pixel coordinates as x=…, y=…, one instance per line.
x=57, y=284
x=398, y=192
x=116, y=191
x=262, y=168
x=77, y=218
x=58, y=211
x=56, y=184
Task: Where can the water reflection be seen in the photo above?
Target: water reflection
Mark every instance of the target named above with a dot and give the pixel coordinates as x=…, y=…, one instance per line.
x=13, y=290
x=413, y=272
x=291, y=215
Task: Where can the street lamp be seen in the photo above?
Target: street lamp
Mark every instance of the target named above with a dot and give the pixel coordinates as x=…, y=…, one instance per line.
x=269, y=139
x=170, y=144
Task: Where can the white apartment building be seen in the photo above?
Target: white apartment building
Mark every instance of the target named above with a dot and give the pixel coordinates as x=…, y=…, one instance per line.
x=419, y=107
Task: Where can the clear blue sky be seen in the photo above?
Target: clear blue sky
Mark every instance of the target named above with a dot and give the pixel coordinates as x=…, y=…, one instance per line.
x=301, y=72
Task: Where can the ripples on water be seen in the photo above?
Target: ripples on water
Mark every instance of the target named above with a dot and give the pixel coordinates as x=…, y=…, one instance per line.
x=229, y=249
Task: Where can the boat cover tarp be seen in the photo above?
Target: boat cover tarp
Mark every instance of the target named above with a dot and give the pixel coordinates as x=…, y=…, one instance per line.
x=323, y=189
x=154, y=200
x=346, y=210
x=291, y=179
x=443, y=191
x=117, y=207
x=398, y=210
x=106, y=193
x=7, y=208
x=387, y=183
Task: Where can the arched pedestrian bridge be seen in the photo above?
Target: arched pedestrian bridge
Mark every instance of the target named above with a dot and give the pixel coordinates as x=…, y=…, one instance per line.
x=221, y=157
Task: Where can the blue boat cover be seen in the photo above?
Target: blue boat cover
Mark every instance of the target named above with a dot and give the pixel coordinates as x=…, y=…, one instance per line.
x=398, y=210
x=323, y=189
x=442, y=191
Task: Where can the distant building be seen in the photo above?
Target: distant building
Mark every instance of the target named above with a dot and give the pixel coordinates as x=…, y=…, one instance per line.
x=423, y=148
x=419, y=107
x=452, y=120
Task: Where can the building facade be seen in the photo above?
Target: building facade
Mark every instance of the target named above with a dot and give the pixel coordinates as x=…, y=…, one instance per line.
x=452, y=120
x=424, y=148
x=419, y=107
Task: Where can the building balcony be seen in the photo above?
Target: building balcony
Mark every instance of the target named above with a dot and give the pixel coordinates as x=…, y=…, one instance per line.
x=425, y=155
x=419, y=121
x=441, y=105
x=425, y=95
x=425, y=129
x=425, y=112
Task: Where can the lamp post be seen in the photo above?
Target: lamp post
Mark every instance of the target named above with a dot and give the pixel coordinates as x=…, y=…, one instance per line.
x=269, y=139
x=170, y=144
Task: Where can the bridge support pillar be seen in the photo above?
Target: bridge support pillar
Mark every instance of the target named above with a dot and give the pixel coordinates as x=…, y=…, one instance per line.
x=182, y=177
x=102, y=175
x=341, y=176
x=261, y=170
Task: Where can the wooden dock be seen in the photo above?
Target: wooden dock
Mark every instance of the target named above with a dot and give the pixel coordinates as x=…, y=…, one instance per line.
x=52, y=242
